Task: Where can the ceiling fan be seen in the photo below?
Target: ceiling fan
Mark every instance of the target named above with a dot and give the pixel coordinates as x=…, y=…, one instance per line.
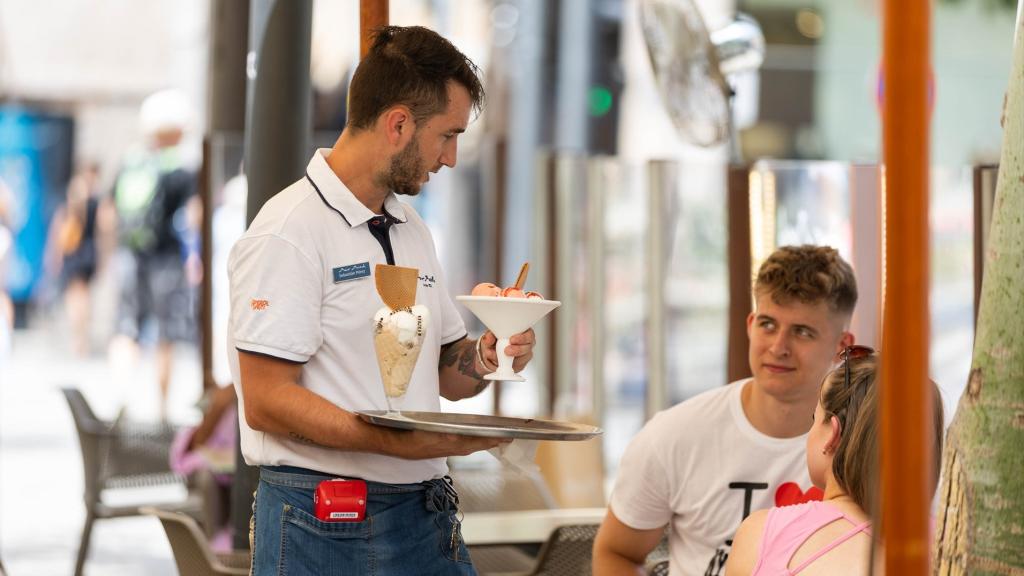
x=692, y=67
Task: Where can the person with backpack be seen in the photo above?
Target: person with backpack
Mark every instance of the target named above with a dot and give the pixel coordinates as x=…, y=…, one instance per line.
x=152, y=196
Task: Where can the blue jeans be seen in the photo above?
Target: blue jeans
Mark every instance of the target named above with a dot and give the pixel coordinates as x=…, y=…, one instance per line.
x=410, y=529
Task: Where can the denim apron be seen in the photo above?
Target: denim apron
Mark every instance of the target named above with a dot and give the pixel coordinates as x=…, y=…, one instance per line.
x=409, y=529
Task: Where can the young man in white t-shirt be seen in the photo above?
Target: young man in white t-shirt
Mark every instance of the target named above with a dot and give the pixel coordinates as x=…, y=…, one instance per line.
x=703, y=465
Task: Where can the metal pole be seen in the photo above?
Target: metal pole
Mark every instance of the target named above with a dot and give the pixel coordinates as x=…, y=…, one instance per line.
x=568, y=173
x=277, y=147
x=662, y=177
x=598, y=178
x=229, y=22
x=544, y=262
x=278, y=116
x=906, y=396
x=526, y=65
x=575, y=23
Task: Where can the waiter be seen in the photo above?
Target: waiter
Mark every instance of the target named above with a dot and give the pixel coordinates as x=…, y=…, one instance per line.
x=302, y=303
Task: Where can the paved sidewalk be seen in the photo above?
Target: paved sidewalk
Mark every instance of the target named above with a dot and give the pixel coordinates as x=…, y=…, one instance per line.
x=41, y=510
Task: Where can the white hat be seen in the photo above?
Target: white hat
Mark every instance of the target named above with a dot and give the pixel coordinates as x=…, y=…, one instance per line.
x=164, y=110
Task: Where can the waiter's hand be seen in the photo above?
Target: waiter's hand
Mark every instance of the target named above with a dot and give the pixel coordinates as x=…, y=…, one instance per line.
x=418, y=444
x=520, y=348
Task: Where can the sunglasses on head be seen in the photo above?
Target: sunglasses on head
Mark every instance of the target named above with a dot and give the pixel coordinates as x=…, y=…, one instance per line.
x=855, y=352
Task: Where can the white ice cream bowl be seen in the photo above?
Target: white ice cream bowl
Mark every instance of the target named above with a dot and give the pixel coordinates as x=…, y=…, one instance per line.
x=506, y=317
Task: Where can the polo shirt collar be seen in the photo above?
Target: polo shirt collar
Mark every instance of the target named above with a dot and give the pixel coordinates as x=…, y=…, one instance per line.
x=336, y=195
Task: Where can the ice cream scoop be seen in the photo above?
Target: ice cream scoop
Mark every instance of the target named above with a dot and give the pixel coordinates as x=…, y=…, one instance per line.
x=513, y=292
x=531, y=295
x=398, y=338
x=486, y=289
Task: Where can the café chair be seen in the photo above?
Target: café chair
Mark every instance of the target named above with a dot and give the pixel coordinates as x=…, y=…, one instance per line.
x=118, y=455
x=192, y=553
x=567, y=552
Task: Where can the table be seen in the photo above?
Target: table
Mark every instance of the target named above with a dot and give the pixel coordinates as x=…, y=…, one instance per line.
x=523, y=526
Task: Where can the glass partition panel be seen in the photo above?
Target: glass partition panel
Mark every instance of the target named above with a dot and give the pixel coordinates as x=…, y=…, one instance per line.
x=696, y=281
x=951, y=297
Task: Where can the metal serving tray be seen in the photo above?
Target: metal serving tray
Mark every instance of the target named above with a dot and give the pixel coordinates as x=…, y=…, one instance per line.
x=481, y=425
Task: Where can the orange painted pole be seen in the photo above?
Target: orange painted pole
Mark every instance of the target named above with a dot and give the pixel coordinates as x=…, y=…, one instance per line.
x=905, y=453
x=372, y=15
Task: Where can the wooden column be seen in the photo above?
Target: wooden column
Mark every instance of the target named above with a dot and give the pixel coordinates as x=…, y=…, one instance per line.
x=740, y=273
x=905, y=452
x=372, y=15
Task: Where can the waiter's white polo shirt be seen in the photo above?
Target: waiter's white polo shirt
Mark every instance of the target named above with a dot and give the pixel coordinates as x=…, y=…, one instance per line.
x=302, y=289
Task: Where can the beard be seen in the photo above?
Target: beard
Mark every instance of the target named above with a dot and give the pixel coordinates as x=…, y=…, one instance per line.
x=405, y=174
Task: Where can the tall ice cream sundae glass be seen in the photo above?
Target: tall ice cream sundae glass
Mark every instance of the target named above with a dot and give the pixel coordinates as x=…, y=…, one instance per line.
x=399, y=328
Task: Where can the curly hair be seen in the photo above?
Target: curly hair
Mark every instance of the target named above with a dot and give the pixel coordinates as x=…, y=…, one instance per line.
x=411, y=66
x=808, y=274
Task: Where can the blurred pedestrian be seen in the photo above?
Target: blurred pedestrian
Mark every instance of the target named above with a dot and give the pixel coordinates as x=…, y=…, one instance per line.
x=72, y=252
x=152, y=196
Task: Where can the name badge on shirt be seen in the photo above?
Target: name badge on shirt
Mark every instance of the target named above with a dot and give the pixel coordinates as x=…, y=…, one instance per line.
x=351, y=272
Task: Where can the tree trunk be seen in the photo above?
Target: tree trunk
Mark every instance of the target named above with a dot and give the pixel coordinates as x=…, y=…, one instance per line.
x=980, y=528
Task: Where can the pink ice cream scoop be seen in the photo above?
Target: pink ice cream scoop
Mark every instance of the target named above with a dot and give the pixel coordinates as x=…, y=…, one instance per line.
x=513, y=292
x=486, y=289
x=531, y=295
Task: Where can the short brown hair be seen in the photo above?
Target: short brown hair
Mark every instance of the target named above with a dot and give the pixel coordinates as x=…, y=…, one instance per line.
x=410, y=66
x=808, y=274
x=855, y=462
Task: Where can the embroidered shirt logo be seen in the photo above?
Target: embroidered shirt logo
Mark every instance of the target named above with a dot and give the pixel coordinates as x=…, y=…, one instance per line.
x=259, y=304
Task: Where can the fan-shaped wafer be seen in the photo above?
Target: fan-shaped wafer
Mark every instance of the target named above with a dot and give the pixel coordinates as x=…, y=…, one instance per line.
x=396, y=285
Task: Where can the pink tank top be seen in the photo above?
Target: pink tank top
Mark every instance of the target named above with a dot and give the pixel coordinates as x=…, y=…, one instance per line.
x=788, y=527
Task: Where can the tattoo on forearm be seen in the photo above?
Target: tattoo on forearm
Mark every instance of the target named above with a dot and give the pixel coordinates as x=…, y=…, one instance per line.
x=462, y=355
x=450, y=352
x=300, y=438
x=467, y=361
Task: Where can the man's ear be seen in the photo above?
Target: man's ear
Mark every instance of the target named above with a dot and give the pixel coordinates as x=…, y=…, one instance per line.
x=750, y=323
x=845, y=340
x=398, y=125
x=835, y=434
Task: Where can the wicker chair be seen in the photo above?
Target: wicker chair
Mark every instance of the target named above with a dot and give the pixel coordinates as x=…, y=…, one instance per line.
x=191, y=550
x=115, y=455
x=569, y=552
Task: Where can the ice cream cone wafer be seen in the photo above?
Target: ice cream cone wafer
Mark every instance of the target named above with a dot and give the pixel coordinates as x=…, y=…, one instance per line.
x=396, y=285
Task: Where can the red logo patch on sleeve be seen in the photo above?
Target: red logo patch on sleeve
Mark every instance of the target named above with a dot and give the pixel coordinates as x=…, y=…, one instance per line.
x=790, y=493
x=259, y=304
